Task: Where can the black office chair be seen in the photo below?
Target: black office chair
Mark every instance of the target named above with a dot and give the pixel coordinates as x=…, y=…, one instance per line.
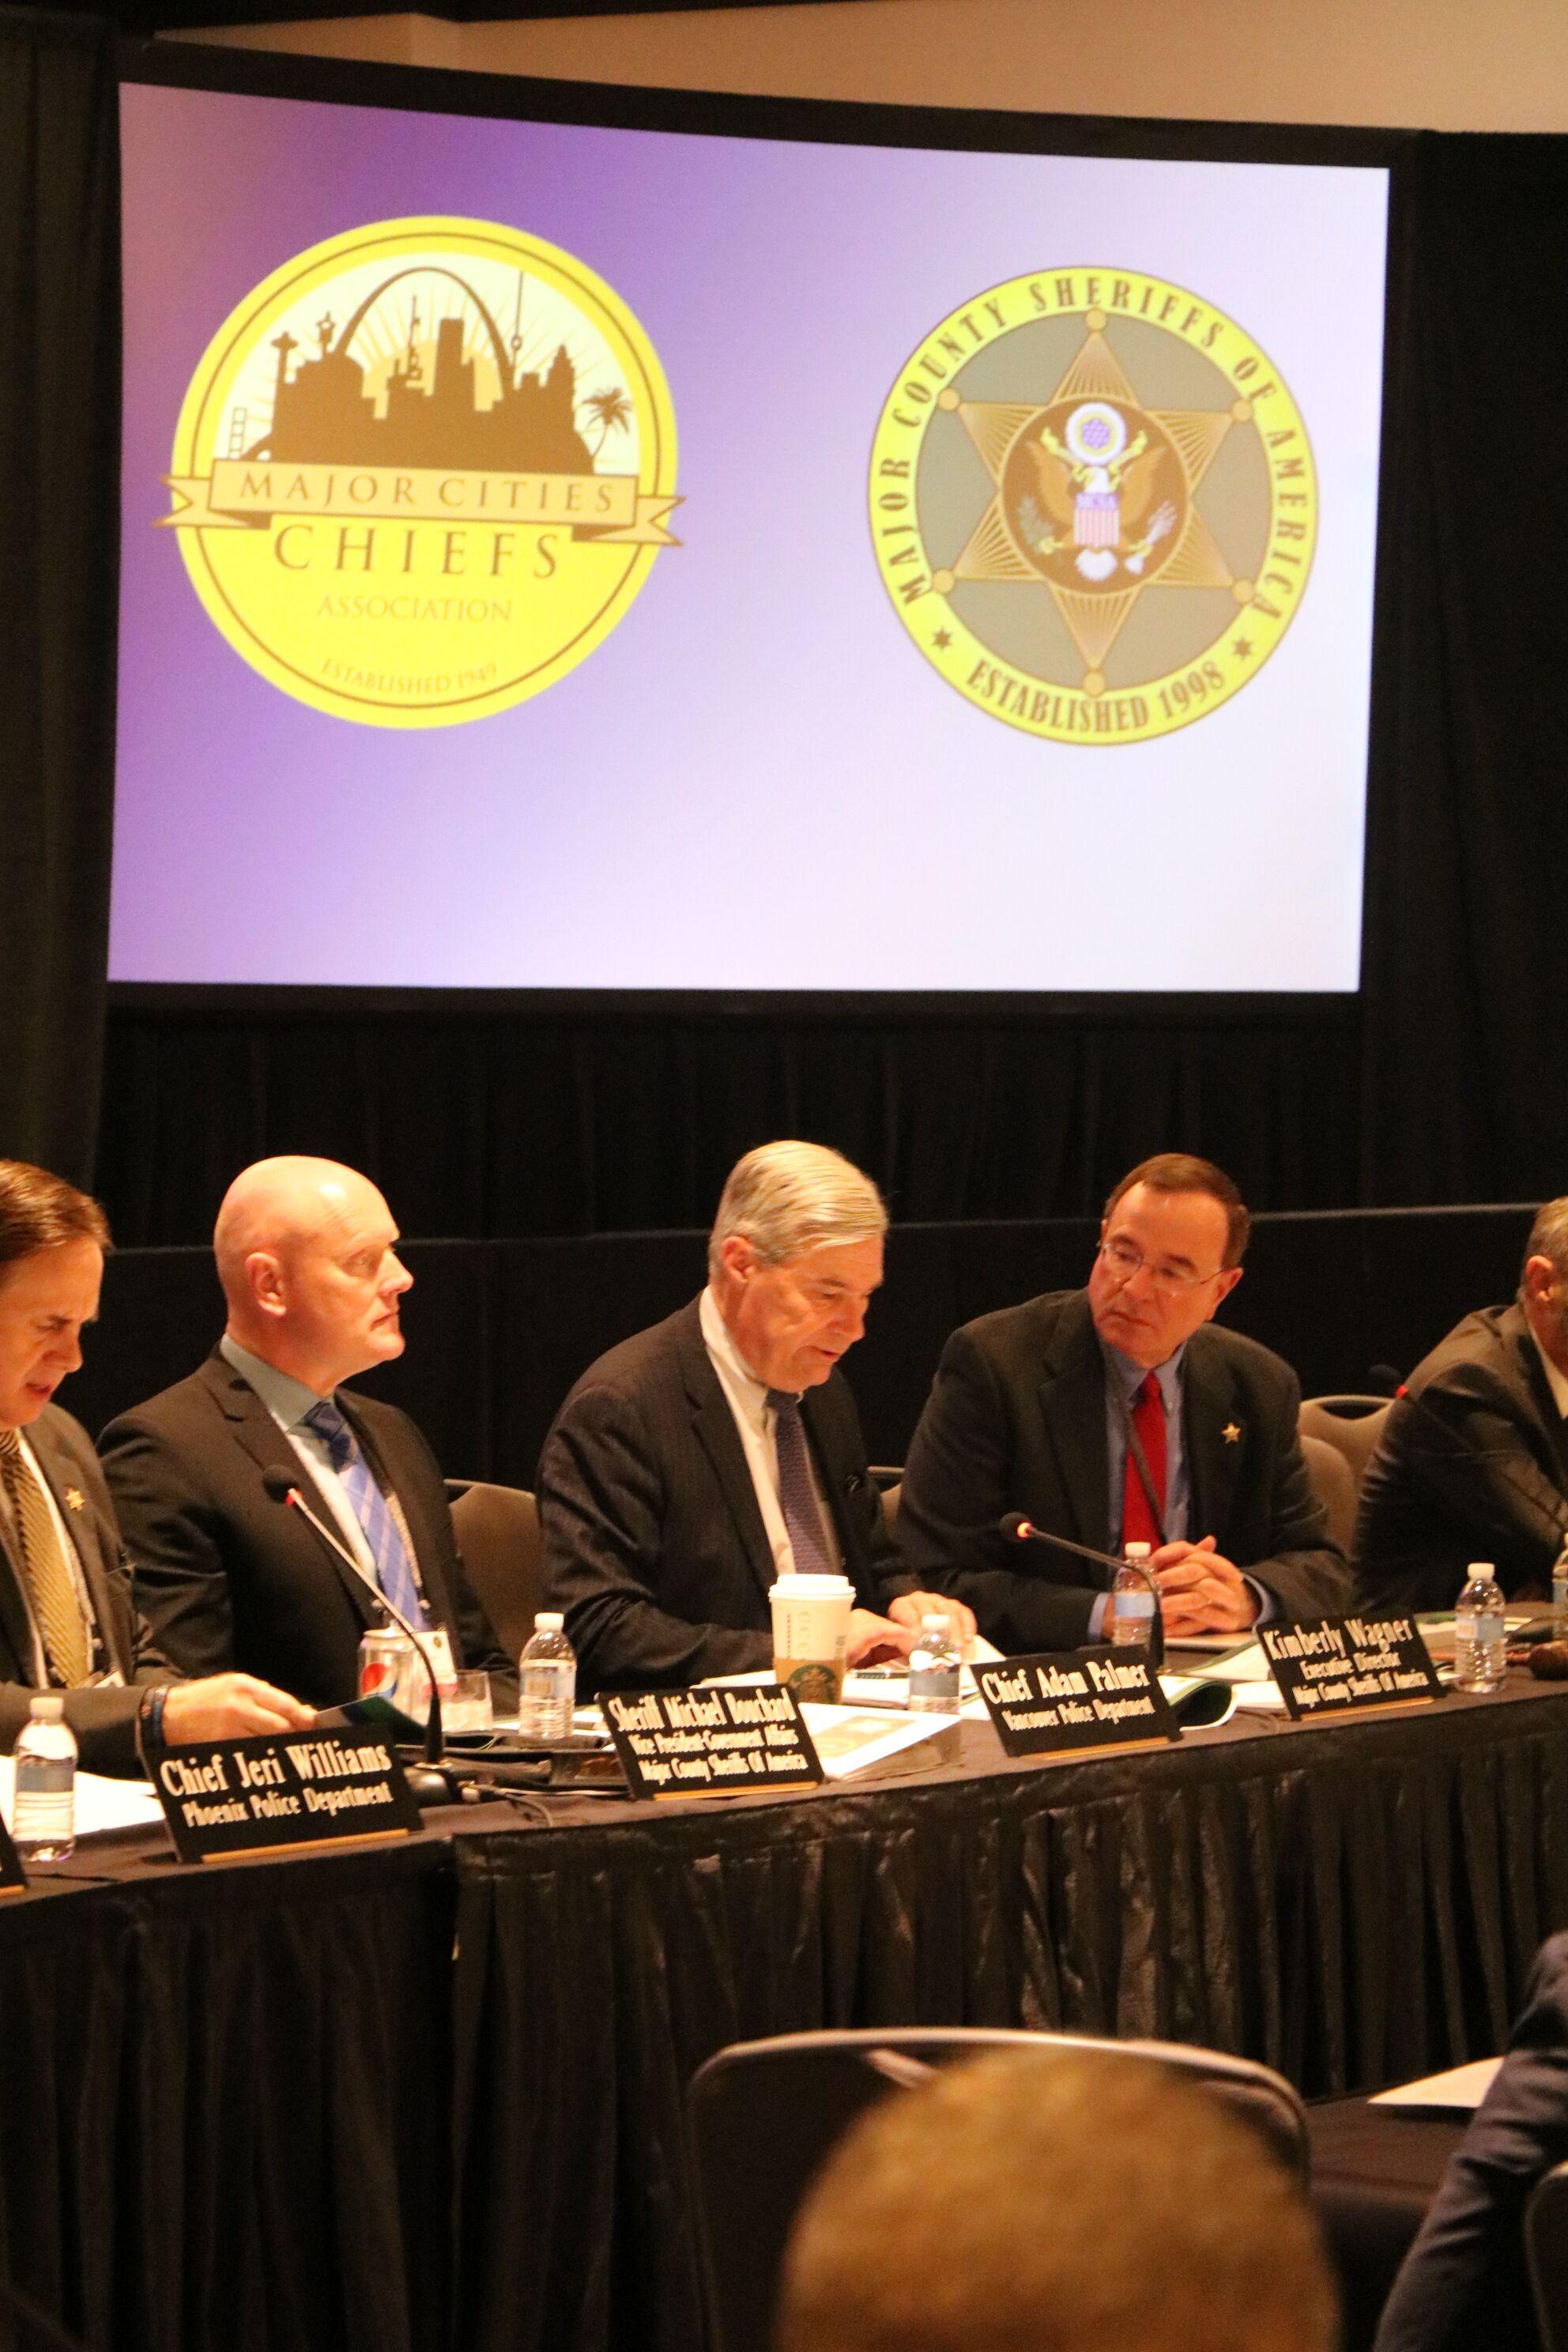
x=764, y=2115
x=1546, y=2254
x=1351, y=1425
x=498, y=1534
x=1333, y=1483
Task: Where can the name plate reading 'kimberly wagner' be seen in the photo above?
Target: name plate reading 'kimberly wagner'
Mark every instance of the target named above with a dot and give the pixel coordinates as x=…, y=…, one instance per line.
x=1329, y=1666
x=298, y=1789
x=1063, y=1699
x=711, y=1743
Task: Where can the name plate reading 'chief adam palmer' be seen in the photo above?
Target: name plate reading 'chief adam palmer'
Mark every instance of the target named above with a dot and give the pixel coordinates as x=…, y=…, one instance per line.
x=1329, y=1666
x=711, y=1743
x=302, y=1788
x=1060, y=1700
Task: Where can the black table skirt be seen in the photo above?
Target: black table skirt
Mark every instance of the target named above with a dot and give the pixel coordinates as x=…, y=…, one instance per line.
x=1353, y=1905
x=431, y=2094
x=223, y=2103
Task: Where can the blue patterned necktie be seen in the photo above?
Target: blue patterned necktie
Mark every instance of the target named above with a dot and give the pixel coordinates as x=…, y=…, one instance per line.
x=797, y=1496
x=394, y=1569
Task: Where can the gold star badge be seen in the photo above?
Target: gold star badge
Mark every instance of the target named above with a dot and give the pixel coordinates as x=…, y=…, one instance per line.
x=1231, y=1433
x=74, y=1499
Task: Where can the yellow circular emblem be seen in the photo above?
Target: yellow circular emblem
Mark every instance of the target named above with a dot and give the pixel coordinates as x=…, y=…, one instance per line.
x=423, y=470
x=1093, y=504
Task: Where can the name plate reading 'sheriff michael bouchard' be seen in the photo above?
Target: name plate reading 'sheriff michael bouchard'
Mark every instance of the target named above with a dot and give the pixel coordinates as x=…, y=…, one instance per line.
x=1062, y=1700
x=711, y=1743
x=226, y=1797
x=1330, y=1665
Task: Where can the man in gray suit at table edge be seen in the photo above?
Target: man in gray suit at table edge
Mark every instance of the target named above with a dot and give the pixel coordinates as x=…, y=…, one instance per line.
x=698, y=1460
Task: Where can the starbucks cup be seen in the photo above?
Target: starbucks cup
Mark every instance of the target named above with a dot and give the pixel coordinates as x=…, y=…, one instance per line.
x=811, y=1633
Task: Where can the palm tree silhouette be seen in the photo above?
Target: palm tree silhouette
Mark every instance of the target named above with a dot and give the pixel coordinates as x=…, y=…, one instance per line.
x=613, y=411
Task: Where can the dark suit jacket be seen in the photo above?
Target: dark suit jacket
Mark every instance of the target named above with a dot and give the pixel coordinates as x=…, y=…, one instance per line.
x=1016, y=1421
x=1463, y=2286
x=1472, y=1464
x=230, y=1579
x=653, y=1541
x=102, y=1716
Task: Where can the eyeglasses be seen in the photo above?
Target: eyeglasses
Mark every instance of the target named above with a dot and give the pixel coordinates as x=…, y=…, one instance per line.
x=1164, y=1281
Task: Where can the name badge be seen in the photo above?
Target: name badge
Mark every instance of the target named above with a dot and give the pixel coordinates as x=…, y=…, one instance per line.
x=1059, y=1702
x=283, y=1794
x=711, y=1743
x=1334, y=1666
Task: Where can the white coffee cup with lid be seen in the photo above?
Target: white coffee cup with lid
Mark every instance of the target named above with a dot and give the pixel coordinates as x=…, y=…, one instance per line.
x=811, y=1635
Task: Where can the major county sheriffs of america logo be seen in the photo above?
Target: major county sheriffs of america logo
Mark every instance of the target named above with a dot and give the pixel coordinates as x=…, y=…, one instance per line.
x=423, y=470
x=1093, y=504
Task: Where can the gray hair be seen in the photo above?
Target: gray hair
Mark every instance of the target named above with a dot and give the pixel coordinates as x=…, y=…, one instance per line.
x=1548, y=1235
x=787, y=1198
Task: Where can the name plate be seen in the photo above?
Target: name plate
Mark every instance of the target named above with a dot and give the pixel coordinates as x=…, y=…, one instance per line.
x=277, y=1794
x=710, y=1743
x=1332, y=1666
x=1061, y=1700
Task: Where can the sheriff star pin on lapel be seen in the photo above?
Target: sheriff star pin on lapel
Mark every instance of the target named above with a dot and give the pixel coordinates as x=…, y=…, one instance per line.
x=1231, y=1433
x=74, y=1499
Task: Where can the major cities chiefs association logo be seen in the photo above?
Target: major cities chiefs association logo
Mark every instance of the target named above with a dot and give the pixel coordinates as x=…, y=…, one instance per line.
x=1093, y=504
x=423, y=470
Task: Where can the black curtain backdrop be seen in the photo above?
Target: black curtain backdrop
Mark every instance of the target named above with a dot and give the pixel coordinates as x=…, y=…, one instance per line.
x=59, y=455
x=503, y=1117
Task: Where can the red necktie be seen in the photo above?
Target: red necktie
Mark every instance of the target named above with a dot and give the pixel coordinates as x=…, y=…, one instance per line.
x=1138, y=1524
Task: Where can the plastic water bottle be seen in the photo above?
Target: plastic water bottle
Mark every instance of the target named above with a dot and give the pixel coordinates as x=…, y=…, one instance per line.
x=547, y=1681
x=1131, y=1611
x=44, y=1813
x=934, y=1667
x=1560, y=1596
x=1479, y=1659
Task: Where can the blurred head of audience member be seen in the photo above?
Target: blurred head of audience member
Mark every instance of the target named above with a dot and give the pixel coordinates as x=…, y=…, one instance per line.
x=305, y=1253
x=1071, y=2202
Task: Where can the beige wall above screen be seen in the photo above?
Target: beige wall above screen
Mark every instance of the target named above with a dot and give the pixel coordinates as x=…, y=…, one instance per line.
x=1446, y=65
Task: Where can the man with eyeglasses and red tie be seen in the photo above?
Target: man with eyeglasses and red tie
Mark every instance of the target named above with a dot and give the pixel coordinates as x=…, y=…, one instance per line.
x=1122, y=1413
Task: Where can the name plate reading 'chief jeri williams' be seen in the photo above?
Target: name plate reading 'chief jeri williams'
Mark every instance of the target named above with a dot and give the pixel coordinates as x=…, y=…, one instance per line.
x=1061, y=1700
x=259, y=1796
x=1329, y=1666
x=711, y=1743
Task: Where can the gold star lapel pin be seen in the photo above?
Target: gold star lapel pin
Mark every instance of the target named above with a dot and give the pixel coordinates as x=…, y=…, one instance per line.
x=74, y=1499
x=1231, y=1433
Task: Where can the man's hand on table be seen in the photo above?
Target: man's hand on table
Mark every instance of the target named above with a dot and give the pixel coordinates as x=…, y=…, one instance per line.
x=910, y=1607
x=874, y=1639
x=230, y=1706
x=1201, y=1591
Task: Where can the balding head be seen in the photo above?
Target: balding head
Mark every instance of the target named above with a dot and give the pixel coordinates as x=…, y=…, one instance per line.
x=305, y=1255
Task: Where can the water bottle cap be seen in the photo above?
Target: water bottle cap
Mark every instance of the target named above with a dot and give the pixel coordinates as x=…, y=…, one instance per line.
x=1135, y=1551
x=548, y=1620
x=1482, y=1571
x=49, y=1706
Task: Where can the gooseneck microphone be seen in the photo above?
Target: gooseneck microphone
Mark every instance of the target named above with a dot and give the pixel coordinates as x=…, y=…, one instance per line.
x=284, y=1489
x=1019, y=1528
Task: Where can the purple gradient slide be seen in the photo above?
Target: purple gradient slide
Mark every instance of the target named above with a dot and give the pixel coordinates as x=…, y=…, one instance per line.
x=757, y=781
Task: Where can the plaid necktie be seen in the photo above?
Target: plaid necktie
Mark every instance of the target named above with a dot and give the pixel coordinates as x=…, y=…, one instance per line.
x=55, y=1609
x=394, y=1569
x=797, y=1496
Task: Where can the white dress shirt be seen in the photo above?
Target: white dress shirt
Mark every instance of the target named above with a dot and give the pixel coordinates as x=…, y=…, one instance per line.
x=1556, y=1379
x=756, y=1421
